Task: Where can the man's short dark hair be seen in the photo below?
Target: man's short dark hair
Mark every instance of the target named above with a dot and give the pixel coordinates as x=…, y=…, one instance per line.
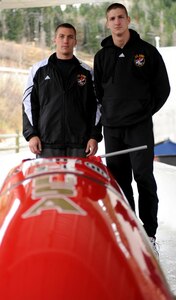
x=65, y=25
x=116, y=5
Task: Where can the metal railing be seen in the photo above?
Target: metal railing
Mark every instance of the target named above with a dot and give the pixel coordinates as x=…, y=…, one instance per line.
x=13, y=142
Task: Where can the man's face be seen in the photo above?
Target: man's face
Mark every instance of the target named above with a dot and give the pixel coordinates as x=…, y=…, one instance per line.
x=117, y=21
x=65, y=40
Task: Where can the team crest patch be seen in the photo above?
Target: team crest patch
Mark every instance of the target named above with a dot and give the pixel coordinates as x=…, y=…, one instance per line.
x=139, y=60
x=81, y=79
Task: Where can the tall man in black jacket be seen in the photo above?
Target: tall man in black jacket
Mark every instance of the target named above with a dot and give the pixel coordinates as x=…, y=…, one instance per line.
x=131, y=84
x=59, y=104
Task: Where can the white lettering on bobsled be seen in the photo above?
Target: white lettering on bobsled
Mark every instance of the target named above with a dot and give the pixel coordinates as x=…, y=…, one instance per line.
x=65, y=165
x=54, y=192
x=59, y=203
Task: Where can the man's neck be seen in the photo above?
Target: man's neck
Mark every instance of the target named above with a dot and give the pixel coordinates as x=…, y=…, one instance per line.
x=121, y=40
x=64, y=57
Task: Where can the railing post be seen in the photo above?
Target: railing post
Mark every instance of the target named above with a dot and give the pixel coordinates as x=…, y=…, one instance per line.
x=17, y=142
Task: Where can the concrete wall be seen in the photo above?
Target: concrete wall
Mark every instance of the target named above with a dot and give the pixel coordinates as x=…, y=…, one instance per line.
x=165, y=119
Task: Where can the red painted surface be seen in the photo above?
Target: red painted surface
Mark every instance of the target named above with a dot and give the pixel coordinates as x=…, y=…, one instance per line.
x=66, y=232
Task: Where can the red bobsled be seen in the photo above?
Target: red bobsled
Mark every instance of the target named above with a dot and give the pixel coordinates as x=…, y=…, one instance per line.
x=66, y=232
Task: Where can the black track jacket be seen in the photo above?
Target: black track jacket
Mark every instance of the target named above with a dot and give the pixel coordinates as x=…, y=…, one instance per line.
x=60, y=116
x=131, y=83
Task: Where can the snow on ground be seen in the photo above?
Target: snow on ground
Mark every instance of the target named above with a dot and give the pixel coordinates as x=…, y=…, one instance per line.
x=8, y=161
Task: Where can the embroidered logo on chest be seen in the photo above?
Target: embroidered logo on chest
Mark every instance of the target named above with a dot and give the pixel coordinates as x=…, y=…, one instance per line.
x=139, y=60
x=81, y=79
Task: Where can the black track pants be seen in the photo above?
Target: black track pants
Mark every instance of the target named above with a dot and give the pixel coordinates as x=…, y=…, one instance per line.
x=73, y=152
x=139, y=164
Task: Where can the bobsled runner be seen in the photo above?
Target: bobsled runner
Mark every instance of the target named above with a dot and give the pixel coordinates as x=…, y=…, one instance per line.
x=67, y=232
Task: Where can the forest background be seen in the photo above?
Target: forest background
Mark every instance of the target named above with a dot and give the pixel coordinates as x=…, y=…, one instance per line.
x=26, y=36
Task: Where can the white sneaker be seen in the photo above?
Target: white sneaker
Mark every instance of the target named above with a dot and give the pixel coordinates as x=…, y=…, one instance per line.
x=154, y=246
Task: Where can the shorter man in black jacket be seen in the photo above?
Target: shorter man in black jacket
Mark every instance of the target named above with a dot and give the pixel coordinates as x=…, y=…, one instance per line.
x=59, y=104
x=131, y=84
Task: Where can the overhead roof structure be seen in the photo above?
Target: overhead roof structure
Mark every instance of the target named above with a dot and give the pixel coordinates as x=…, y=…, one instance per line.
x=10, y=4
x=166, y=147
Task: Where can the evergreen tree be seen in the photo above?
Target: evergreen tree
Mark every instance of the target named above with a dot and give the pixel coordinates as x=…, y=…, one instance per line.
x=14, y=24
x=149, y=18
